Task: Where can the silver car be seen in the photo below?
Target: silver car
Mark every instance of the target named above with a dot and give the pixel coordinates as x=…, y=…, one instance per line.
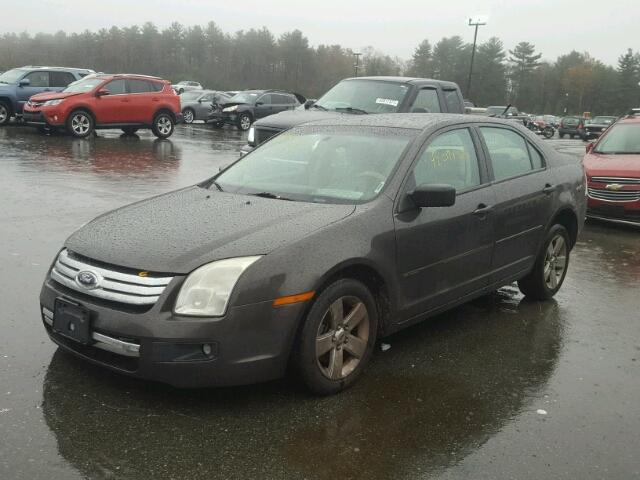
x=198, y=104
x=186, y=86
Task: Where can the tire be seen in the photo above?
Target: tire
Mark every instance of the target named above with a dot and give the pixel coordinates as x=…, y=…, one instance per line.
x=5, y=113
x=348, y=347
x=218, y=125
x=163, y=125
x=129, y=130
x=181, y=91
x=561, y=135
x=554, y=256
x=189, y=115
x=548, y=132
x=244, y=122
x=80, y=124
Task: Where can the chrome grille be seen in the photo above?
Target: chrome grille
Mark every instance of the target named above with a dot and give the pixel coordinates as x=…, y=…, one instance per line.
x=620, y=180
x=113, y=285
x=613, y=195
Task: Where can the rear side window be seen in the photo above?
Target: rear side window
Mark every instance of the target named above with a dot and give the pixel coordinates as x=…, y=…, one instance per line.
x=280, y=99
x=266, y=99
x=38, y=79
x=155, y=86
x=508, y=152
x=139, y=86
x=453, y=101
x=116, y=87
x=450, y=159
x=426, y=101
x=536, y=157
x=60, y=79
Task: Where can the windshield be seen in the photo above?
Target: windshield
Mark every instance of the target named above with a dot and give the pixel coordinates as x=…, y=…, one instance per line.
x=621, y=139
x=349, y=165
x=244, y=97
x=190, y=96
x=84, y=85
x=603, y=120
x=367, y=96
x=496, y=110
x=12, y=76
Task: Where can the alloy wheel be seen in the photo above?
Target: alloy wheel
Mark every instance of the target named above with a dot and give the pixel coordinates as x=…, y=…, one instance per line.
x=80, y=123
x=188, y=116
x=164, y=125
x=555, y=262
x=4, y=113
x=245, y=122
x=342, y=337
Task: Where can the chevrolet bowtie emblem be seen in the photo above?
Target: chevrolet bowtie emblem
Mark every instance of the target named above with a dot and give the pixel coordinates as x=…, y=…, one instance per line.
x=614, y=186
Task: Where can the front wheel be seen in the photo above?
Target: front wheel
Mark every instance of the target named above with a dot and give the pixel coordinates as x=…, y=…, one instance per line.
x=189, y=115
x=80, y=124
x=244, y=122
x=5, y=113
x=548, y=132
x=337, y=338
x=550, y=268
x=163, y=125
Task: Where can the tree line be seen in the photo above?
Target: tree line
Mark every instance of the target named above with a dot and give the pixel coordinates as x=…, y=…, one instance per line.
x=256, y=58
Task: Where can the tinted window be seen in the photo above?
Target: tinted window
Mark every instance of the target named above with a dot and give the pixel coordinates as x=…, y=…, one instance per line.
x=38, y=79
x=453, y=101
x=372, y=96
x=60, y=79
x=280, y=99
x=570, y=121
x=155, y=86
x=116, y=87
x=266, y=99
x=508, y=152
x=426, y=102
x=450, y=159
x=139, y=86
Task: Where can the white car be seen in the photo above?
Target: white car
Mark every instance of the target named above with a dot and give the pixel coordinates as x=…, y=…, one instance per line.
x=185, y=86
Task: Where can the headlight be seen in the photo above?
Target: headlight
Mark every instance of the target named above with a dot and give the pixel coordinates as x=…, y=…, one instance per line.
x=51, y=103
x=252, y=135
x=206, y=291
x=230, y=109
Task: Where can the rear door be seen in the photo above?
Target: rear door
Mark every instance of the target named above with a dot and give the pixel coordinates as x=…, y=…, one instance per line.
x=38, y=83
x=112, y=108
x=524, y=188
x=58, y=81
x=444, y=254
x=204, y=106
x=140, y=106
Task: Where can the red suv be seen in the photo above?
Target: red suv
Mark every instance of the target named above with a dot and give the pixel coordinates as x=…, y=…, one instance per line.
x=612, y=165
x=129, y=102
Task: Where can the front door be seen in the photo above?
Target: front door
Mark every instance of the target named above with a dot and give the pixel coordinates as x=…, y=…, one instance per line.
x=525, y=190
x=263, y=107
x=38, y=83
x=112, y=108
x=444, y=253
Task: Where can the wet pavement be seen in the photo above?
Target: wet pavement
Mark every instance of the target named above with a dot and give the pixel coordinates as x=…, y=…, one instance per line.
x=498, y=388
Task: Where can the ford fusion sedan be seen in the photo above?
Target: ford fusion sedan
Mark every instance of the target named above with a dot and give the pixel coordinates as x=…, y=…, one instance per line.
x=613, y=171
x=306, y=251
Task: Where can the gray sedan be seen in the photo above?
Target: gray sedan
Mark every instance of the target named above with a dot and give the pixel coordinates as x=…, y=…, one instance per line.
x=198, y=104
x=306, y=251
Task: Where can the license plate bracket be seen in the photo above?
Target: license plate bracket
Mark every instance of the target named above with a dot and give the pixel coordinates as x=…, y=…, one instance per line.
x=72, y=321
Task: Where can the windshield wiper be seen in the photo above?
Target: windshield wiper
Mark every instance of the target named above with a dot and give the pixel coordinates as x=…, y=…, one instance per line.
x=352, y=110
x=271, y=195
x=217, y=185
x=319, y=107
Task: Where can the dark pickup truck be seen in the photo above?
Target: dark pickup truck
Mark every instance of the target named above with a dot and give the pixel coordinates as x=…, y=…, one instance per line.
x=364, y=95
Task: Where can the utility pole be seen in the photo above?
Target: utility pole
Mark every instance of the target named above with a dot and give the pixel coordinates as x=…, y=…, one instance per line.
x=356, y=66
x=474, y=22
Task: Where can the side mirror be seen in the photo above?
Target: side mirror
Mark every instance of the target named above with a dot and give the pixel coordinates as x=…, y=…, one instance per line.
x=433, y=195
x=25, y=82
x=308, y=104
x=259, y=103
x=102, y=92
x=590, y=146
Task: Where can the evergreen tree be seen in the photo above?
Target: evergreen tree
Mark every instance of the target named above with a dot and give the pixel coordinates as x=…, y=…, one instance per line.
x=523, y=62
x=421, y=63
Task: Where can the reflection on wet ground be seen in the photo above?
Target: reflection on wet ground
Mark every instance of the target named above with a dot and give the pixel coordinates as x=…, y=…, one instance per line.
x=498, y=388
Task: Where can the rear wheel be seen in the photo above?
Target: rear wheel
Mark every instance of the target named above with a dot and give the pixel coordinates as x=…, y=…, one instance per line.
x=337, y=338
x=189, y=115
x=244, y=122
x=561, y=135
x=548, y=132
x=80, y=124
x=163, y=125
x=5, y=113
x=550, y=268
x=129, y=130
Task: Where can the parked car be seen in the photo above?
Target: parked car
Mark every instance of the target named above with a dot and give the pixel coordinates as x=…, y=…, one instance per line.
x=572, y=126
x=502, y=111
x=594, y=127
x=128, y=102
x=306, y=251
x=199, y=104
x=186, y=86
x=613, y=173
x=19, y=84
x=246, y=107
x=364, y=95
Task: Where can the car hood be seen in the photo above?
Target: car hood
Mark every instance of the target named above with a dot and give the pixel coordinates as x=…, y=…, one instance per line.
x=182, y=230
x=43, y=97
x=600, y=165
x=292, y=118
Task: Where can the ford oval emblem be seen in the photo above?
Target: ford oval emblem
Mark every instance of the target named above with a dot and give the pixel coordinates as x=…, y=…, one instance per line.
x=88, y=279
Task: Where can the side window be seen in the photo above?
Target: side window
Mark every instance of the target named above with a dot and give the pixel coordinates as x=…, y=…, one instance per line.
x=207, y=98
x=155, y=86
x=536, y=157
x=508, y=152
x=452, y=99
x=38, y=79
x=116, y=87
x=266, y=99
x=138, y=86
x=60, y=79
x=426, y=101
x=450, y=159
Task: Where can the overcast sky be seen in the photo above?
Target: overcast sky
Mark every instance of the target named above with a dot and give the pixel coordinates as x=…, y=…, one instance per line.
x=604, y=29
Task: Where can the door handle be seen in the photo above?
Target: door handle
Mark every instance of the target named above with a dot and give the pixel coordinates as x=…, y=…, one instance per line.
x=549, y=189
x=155, y=99
x=482, y=210
x=124, y=100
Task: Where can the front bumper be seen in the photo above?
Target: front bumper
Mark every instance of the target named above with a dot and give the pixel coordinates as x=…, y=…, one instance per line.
x=619, y=212
x=250, y=344
x=42, y=117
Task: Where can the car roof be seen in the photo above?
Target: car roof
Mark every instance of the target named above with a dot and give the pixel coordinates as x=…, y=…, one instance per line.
x=129, y=75
x=66, y=69
x=413, y=121
x=410, y=80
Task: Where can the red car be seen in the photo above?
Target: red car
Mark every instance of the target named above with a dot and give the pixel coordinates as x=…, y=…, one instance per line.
x=612, y=166
x=128, y=102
